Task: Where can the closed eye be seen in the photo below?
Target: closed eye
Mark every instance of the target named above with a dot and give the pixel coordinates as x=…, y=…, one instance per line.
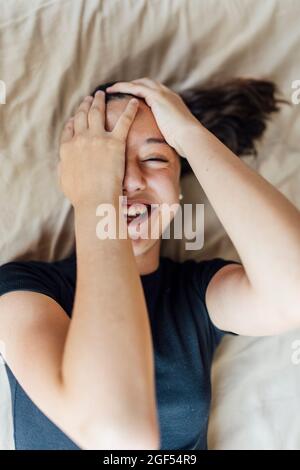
x=155, y=159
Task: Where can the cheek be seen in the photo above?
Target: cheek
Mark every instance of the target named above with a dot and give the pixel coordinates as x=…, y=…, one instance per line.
x=166, y=186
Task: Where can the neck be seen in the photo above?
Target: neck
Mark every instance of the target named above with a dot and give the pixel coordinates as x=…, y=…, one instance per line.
x=148, y=262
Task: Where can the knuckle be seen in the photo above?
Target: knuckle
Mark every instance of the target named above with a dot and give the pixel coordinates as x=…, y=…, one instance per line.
x=94, y=108
x=164, y=92
x=126, y=121
x=111, y=141
x=81, y=112
x=115, y=143
x=127, y=115
x=80, y=138
x=95, y=140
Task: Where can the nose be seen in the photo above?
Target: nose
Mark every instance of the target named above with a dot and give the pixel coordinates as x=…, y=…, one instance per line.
x=134, y=179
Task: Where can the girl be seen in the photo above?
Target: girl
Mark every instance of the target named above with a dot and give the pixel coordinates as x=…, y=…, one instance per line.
x=111, y=348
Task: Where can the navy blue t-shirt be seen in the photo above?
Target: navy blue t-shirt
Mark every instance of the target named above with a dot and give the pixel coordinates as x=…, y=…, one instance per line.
x=184, y=340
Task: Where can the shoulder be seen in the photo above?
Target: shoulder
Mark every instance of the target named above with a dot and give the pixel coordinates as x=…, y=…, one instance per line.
x=204, y=271
x=190, y=280
x=54, y=279
x=197, y=274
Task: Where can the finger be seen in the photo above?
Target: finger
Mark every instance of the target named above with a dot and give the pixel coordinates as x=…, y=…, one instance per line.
x=81, y=115
x=124, y=122
x=141, y=91
x=128, y=87
x=68, y=131
x=147, y=82
x=96, y=116
x=153, y=84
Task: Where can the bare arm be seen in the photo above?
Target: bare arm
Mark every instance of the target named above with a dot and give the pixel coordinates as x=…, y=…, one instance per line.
x=108, y=357
x=93, y=375
x=33, y=328
x=262, y=296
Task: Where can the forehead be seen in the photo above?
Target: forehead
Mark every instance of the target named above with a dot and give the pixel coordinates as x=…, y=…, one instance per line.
x=144, y=124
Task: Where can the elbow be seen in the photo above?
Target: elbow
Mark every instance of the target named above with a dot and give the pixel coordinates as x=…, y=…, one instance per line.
x=289, y=309
x=107, y=429
x=91, y=436
x=92, y=433
x=281, y=315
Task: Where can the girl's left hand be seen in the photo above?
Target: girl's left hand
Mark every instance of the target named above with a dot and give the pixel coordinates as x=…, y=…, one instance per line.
x=170, y=112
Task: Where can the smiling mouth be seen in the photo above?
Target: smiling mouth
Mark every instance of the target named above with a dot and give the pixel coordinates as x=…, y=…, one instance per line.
x=138, y=213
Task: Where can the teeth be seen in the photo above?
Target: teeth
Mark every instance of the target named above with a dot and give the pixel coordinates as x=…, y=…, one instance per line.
x=132, y=211
x=136, y=209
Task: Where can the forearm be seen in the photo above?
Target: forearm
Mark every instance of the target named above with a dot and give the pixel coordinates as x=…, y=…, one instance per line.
x=108, y=357
x=263, y=225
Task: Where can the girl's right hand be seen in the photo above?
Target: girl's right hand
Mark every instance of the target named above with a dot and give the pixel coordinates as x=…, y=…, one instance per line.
x=92, y=160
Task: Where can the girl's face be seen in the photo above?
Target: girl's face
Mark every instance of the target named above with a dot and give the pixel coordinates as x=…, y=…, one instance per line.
x=152, y=173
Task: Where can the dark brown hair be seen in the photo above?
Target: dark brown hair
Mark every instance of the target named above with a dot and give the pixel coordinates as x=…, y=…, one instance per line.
x=235, y=111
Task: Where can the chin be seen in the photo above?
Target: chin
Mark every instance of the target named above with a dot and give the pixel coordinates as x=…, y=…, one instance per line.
x=142, y=246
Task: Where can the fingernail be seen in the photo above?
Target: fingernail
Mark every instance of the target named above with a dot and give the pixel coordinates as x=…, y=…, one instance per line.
x=99, y=92
x=134, y=101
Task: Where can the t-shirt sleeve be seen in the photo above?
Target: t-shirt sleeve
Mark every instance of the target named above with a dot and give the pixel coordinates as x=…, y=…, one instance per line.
x=31, y=276
x=204, y=272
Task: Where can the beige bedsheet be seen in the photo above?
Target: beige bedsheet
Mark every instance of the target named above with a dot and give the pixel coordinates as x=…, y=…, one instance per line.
x=52, y=53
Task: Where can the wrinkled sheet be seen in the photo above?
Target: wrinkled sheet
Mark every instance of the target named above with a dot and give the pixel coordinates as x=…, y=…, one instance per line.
x=54, y=52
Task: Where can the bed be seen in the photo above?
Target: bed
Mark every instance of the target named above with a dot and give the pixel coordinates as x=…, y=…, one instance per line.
x=54, y=52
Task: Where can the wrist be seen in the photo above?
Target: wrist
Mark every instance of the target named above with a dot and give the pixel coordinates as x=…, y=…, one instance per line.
x=87, y=213
x=104, y=196
x=189, y=137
